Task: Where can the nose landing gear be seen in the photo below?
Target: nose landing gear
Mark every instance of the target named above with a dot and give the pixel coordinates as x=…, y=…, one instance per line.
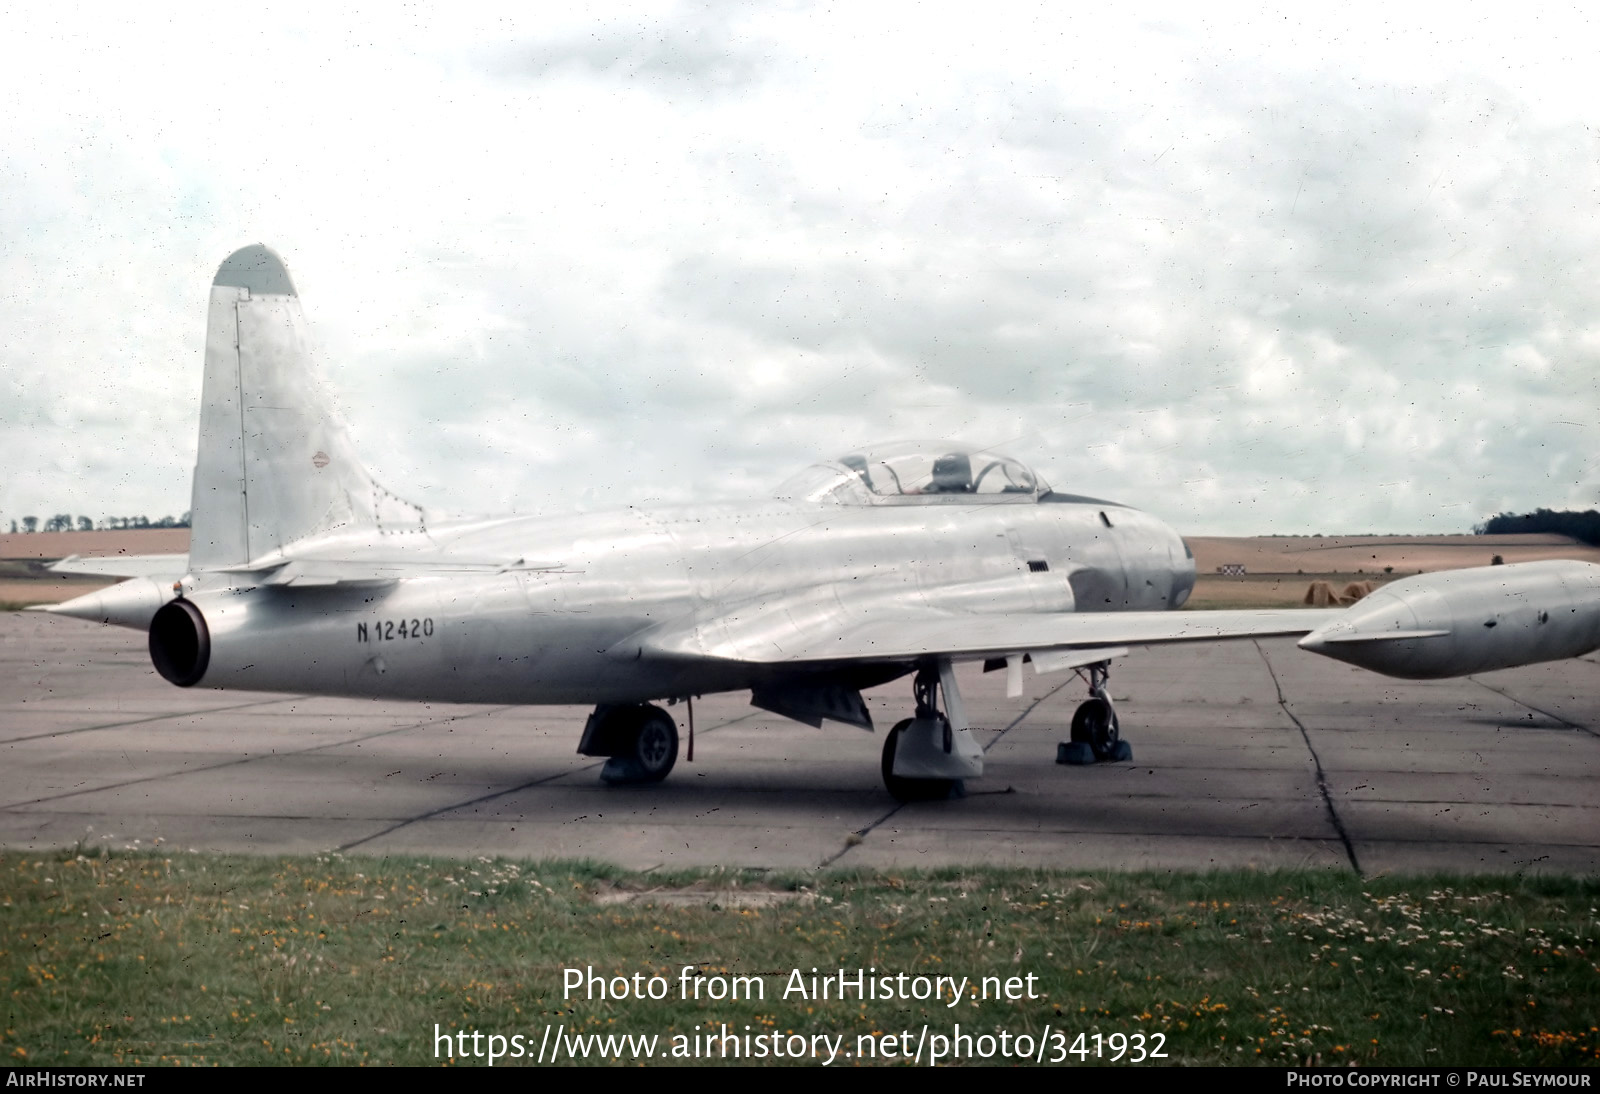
x=1095, y=734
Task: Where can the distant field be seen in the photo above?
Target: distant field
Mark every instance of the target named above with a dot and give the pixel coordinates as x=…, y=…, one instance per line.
x=24, y=579
x=1259, y=590
x=1367, y=555
x=24, y=582
x=53, y=545
x=1280, y=569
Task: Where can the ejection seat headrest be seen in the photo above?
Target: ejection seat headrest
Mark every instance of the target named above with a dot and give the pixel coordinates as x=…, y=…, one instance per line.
x=952, y=474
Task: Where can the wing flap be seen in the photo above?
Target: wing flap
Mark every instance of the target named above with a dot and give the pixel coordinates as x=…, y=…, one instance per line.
x=1057, y=660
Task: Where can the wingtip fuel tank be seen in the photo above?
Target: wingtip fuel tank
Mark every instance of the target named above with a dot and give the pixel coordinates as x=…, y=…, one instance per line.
x=1458, y=622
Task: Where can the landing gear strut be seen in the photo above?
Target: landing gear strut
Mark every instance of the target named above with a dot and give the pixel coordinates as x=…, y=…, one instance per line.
x=640, y=740
x=1095, y=734
x=928, y=757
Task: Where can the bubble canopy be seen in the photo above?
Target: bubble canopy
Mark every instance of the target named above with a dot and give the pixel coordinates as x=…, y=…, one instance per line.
x=917, y=473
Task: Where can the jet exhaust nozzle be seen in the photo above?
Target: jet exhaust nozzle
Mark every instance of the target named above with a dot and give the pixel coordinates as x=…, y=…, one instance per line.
x=180, y=643
x=1458, y=622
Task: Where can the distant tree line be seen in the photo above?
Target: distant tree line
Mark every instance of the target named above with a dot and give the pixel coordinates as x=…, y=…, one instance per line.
x=66, y=522
x=1584, y=526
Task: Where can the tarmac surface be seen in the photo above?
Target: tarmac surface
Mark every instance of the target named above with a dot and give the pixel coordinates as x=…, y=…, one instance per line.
x=1245, y=754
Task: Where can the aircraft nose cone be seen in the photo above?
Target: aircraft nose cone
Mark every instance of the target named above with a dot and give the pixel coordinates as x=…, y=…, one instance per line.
x=1343, y=628
x=1343, y=636
x=255, y=268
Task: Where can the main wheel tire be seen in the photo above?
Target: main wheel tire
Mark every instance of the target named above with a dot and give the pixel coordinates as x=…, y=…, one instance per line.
x=902, y=789
x=647, y=746
x=1095, y=724
x=655, y=744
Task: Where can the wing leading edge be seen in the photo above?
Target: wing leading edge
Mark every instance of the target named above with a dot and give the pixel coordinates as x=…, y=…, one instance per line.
x=963, y=637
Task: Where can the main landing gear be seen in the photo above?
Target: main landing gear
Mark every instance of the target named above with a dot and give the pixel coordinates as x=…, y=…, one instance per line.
x=928, y=757
x=1095, y=736
x=640, y=740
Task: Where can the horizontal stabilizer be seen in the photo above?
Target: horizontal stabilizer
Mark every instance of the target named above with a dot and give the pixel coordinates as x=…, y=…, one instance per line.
x=362, y=569
x=155, y=566
x=131, y=604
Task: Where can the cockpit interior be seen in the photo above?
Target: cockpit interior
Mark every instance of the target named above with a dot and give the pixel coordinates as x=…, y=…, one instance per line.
x=918, y=473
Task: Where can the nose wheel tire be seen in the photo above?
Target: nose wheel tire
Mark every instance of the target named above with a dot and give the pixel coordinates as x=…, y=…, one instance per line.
x=902, y=789
x=1095, y=724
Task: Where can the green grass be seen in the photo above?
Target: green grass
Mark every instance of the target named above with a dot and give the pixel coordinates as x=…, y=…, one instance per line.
x=139, y=959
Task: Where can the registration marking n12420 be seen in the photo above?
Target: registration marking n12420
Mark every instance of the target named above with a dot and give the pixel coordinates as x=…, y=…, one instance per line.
x=394, y=630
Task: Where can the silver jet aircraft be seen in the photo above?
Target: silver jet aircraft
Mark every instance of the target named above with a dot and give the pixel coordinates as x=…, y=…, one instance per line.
x=304, y=575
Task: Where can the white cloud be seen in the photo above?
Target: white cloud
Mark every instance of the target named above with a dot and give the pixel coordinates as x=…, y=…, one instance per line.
x=1263, y=272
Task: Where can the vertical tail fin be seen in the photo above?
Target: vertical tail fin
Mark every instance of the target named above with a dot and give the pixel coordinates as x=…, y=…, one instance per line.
x=275, y=464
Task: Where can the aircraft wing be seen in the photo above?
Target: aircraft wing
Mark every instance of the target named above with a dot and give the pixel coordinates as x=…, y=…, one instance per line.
x=173, y=566
x=780, y=638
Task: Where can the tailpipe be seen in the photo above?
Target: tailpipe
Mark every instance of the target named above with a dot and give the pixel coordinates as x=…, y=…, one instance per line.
x=180, y=643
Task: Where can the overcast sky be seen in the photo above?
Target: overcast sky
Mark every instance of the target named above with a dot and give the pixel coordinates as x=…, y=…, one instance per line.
x=1273, y=272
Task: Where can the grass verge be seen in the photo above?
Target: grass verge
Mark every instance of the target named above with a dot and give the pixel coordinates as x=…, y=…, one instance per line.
x=189, y=958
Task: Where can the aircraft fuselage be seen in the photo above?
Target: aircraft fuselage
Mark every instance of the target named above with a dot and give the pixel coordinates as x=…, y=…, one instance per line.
x=558, y=628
